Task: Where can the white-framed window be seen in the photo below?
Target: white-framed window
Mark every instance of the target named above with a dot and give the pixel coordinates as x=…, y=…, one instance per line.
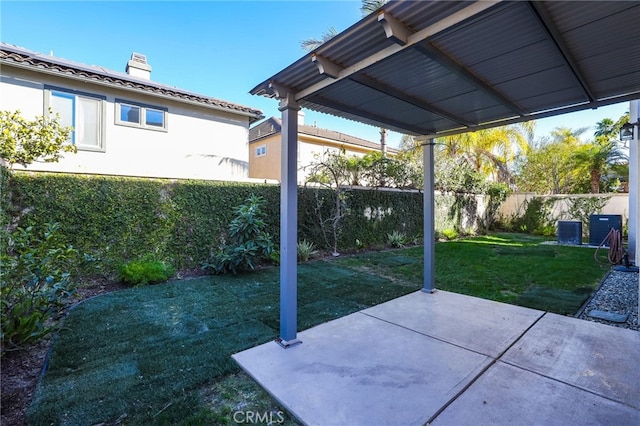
x=261, y=150
x=135, y=114
x=82, y=111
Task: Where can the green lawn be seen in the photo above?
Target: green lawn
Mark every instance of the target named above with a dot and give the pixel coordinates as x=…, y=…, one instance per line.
x=161, y=354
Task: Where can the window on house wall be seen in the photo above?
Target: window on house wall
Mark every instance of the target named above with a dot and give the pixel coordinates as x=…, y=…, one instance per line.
x=83, y=112
x=139, y=115
x=261, y=150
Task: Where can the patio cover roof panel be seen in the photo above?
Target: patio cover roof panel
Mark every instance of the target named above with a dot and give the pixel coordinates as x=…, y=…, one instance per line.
x=504, y=29
x=429, y=79
x=597, y=45
x=359, y=96
x=521, y=60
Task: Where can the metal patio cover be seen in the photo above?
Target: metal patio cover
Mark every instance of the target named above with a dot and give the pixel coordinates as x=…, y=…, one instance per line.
x=433, y=68
x=441, y=67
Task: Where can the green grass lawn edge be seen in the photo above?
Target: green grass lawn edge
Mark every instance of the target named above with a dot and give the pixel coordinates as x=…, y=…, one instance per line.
x=161, y=354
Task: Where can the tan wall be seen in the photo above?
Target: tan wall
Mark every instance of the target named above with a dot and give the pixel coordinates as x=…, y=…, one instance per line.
x=265, y=166
x=268, y=166
x=514, y=205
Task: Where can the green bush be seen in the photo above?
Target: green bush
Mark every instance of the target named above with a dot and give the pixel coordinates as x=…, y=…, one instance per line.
x=249, y=240
x=35, y=282
x=306, y=249
x=450, y=234
x=143, y=272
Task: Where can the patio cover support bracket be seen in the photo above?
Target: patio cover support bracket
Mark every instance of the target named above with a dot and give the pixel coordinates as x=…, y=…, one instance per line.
x=429, y=217
x=288, y=221
x=326, y=67
x=394, y=29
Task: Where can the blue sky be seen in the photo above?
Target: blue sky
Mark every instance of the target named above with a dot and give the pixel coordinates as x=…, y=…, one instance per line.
x=220, y=49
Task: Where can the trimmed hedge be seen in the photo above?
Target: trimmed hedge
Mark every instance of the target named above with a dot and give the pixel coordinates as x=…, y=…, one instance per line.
x=119, y=219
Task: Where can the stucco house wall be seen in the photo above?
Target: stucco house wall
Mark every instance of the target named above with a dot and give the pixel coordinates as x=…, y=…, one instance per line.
x=265, y=148
x=198, y=141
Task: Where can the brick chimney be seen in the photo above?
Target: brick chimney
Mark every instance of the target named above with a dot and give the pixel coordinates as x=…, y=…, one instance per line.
x=138, y=67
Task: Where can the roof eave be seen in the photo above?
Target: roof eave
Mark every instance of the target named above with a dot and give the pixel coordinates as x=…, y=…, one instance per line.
x=253, y=116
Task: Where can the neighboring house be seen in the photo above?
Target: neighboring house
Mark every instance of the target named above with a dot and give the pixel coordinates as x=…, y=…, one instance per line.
x=313, y=143
x=126, y=124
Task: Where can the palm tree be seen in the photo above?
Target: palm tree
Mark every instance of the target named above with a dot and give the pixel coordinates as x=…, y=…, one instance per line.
x=370, y=6
x=311, y=44
x=490, y=152
x=597, y=157
x=605, y=128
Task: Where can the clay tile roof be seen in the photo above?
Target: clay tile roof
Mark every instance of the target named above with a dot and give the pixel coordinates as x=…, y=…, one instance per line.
x=10, y=54
x=273, y=126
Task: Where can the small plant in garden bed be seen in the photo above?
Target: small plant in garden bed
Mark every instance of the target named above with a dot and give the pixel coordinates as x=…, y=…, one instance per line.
x=145, y=271
x=396, y=239
x=306, y=249
x=450, y=234
x=249, y=240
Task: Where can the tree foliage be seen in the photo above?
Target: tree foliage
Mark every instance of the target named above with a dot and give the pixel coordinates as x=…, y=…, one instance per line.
x=566, y=164
x=490, y=152
x=24, y=141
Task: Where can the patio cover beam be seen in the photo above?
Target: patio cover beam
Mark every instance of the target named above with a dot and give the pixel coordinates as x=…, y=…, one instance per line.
x=398, y=94
x=400, y=34
x=360, y=113
x=441, y=58
x=333, y=70
x=547, y=23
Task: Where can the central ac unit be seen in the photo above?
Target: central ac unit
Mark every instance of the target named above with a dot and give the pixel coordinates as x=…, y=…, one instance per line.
x=569, y=232
x=599, y=226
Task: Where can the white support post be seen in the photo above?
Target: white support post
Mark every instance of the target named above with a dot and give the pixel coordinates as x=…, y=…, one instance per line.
x=429, y=218
x=289, y=223
x=634, y=187
x=634, y=164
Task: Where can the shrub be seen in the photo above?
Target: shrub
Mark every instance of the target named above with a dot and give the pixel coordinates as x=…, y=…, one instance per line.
x=396, y=239
x=23, y=141
x=306, y=249
x=538, y=214
x=249, y=240
x=35, y=282
x=450, y=234
x=581, y=208
x=146, y=271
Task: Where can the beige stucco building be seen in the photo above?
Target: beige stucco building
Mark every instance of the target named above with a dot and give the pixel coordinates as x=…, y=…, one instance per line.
x=125, y=123
x=265, y=147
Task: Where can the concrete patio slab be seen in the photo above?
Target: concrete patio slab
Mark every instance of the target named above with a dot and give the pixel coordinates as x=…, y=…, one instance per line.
x=507, y=395
x=598, y=358
x=477, y=324
x=358, y=370
x=450, y=359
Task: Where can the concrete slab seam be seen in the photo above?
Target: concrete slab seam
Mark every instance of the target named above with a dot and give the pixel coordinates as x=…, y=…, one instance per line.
x=440, y=339
x=482, y=371
x=537, y=373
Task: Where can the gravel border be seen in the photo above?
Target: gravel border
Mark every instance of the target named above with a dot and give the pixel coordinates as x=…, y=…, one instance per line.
x=617, y=293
